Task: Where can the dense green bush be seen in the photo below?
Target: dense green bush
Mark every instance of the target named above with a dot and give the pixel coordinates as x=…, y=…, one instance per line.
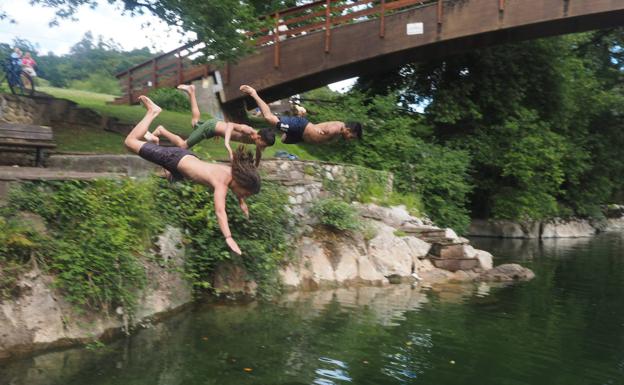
x=262, y=237
x=99, y=233
x=337, y=214
x=170, y=99
x=397, y=140
x=541, y=121
x=19, y=244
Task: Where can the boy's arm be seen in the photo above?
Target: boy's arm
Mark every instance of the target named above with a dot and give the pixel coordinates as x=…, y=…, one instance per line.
x=228, y=134
x=258, y=155
x=219, y=201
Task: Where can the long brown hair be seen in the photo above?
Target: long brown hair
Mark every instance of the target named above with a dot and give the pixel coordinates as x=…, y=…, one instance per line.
x=244, y=171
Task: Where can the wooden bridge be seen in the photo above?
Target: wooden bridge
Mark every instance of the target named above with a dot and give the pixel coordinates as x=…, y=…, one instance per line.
x=330, y=40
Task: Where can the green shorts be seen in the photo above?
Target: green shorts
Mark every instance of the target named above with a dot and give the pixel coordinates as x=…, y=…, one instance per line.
x=203, y=130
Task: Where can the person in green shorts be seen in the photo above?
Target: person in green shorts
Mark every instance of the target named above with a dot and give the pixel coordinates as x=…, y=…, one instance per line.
x=212, y=128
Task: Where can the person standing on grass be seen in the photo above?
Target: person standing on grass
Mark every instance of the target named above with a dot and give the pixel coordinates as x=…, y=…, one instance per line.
x=28, y=64
x=241, y=176
x=297, y=129
x=212, y=128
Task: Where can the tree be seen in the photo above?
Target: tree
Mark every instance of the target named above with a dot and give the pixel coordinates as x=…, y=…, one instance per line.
x=220, y=24
x=539, y=119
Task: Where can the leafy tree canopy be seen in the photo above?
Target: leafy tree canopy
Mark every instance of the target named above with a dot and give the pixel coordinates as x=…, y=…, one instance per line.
x=217, y=23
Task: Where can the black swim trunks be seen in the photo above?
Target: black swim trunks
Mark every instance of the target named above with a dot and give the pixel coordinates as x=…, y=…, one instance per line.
x=167, y=157
x=293, y=127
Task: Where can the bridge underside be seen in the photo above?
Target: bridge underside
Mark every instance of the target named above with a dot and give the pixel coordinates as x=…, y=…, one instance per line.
x=358, y=49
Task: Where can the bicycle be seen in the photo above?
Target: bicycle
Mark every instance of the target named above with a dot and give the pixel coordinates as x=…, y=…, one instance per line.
x=20, y=83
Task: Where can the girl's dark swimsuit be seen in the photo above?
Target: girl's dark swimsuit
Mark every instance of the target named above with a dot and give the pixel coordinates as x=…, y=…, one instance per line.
x=293, y=127
x=167, y=157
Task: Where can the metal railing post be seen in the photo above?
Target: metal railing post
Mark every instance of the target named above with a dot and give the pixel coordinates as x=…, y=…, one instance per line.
x=130, y=87
x=327, y=25
x=440, y=11
x=382, y=19
x=180, y=77
x=276, y=39
x=154, y=74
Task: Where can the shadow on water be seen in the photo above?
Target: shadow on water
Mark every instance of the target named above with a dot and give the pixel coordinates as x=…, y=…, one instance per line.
x=564, y=327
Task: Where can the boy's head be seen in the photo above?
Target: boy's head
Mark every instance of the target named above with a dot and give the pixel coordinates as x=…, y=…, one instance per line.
x=353, y=131
x=245, y=177
x=265, y=138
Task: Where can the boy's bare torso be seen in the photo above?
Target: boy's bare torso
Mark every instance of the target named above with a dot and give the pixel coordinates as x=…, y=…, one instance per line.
x=208, y=174
x=322, y=132
x=236, y=136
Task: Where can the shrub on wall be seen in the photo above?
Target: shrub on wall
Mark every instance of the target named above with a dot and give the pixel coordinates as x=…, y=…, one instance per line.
x=19, y=243
x=337, y=214
x=98, y=234
x=262, y=237
x=97, y=231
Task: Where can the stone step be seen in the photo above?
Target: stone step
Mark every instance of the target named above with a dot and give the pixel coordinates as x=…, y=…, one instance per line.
x=39, y=173
x=131, y=165
x=422, y=230
x=447, y=251
x=455, y=264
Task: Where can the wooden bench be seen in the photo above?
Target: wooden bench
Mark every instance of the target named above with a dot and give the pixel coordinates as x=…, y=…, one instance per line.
x=16, y=136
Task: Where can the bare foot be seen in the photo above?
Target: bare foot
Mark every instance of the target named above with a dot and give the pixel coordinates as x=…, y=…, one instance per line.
x=150, y=137
x=188, y=88
x=157, y=131
x=149, y=105
x=247, y=89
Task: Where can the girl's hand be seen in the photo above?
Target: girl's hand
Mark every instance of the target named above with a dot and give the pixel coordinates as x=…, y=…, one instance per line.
x=233, y=246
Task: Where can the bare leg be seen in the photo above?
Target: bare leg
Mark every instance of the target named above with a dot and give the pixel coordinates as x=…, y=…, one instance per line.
x=264, y=108
x=173, y=138
x=190, y=90
x=134, y=139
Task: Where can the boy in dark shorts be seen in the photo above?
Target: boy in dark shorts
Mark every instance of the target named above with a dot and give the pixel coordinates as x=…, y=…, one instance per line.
x=213, y=127
x=297, y=129
x=241, y=176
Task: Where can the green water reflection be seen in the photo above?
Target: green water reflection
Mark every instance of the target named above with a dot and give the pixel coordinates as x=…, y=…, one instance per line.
x=565, y=327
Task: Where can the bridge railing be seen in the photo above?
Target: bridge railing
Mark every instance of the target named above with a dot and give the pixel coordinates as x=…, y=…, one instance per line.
x=323, y=15
x=166, y=70
x=320, y=16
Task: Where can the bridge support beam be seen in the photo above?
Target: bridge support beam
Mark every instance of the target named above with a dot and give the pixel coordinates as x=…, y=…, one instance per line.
x=235, y=111
x=207, y=98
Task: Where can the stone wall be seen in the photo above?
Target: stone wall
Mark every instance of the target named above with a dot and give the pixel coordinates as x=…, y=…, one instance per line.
x=309, y=181
x=393, y=247
x=305, y=181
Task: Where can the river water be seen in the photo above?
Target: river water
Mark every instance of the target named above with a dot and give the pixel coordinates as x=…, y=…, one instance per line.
x=564, y=327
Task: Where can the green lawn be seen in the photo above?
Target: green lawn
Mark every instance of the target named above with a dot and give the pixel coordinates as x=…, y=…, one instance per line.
x=100, y=141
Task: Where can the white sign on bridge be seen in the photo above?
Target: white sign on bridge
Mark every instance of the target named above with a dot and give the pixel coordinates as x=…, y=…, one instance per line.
x=415, y=28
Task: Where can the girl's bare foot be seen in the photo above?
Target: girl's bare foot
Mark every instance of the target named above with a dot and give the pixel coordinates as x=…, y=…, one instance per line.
x=157, y=131
x=247, y=89
x=152, y=138
x=188, y=88
x=150, y=105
